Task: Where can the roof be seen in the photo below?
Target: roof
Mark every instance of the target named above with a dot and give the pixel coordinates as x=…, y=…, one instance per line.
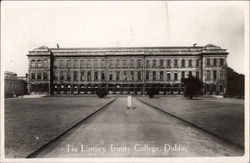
x=162, y=50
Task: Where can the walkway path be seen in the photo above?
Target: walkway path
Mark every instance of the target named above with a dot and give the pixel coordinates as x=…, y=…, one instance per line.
x=143, y=131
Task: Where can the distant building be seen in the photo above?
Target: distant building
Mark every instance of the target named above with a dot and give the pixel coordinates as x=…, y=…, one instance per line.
x=14, y=85
x=126, y=69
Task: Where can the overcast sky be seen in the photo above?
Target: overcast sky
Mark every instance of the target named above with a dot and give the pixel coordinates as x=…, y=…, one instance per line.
x=28, y=25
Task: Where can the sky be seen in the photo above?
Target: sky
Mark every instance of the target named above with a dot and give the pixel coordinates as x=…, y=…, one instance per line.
x=27, y=25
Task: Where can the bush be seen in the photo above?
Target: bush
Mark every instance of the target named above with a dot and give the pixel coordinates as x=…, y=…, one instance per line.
x=193, y=86
x=151, y=92
x=101, y=92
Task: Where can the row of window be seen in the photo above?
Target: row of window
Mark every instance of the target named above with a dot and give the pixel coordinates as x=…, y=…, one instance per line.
x=125, y=75
x=124, y=63
x=39, y=63
x=215, y=62
x=215, y=75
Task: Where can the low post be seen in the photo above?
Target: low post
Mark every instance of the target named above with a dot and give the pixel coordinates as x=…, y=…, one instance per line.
x=129, y=106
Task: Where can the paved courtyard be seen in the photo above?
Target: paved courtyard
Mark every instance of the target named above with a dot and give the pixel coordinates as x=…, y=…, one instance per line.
x=140, y=132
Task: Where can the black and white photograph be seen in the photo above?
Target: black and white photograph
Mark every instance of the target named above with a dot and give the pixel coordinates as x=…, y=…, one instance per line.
x=125, y=81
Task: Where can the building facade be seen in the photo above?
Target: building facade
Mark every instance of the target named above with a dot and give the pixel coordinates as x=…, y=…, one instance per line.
x=126, y=69
x=14, y=85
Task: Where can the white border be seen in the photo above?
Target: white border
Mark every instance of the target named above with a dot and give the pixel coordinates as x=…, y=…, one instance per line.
x=244, y=158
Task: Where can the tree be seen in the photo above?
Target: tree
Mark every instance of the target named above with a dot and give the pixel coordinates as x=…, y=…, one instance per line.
x=235, y=84
x=151, y=92
x=101, y=92
x=192, y=86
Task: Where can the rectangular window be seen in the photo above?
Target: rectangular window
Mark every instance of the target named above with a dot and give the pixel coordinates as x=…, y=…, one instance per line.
x=118, y=64
x=139, y=75
x=96, y=75
x=197, y=63
x=45, y=63
x=75, y=75
x=33, y=64
x=221, y=62
x=45, y=76
x=154, y=75
x=68, y=76
x=147, y=75
x=208, y=74
x=39, y=76
x=33, y=76
x=96, y=63
x=168, y=63
x=147, y=63
x=175, y=63
x=110, y=63
x=183, y=63
x=124, y=63
x=154, y=63
x=68, y=63
x=88, y=64
x=175, y=76
x=61, y=75
x=118, y=75
x=132, y=75
x=221, y=75
x=82, y=76
x=197, y=74
x=183, y=74
x=168, y=76
x=110, y=75
x=82, y=63
x=139, y=64
x=215, y=62
x=190, y=73
x=132, y=64
x=103, y=64
x=75, y=64
x=62, y=63
x=89, y=76
x=161, y=63
x=161, y=75
x=208, y=62
x=125, y=75
x=214, y=75
x=55, y=64
x=103, y=76
x=190, y=63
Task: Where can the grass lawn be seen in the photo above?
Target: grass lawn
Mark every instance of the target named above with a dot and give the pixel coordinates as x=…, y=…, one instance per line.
x=32, y=122
x=224, y=117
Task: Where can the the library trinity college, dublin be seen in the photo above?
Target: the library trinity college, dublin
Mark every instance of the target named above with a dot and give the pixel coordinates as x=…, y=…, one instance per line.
x=124, y=70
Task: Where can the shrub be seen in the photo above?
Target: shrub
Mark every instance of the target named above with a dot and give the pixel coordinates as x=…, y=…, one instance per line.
x=101, y=92
x=151, y=92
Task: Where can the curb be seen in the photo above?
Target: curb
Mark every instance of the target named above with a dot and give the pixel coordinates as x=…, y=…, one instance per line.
x=36, y=152
x=195, y=126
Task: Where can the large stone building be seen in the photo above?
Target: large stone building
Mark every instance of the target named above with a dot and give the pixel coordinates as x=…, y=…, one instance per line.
x=126, y=69
x=14, y=85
